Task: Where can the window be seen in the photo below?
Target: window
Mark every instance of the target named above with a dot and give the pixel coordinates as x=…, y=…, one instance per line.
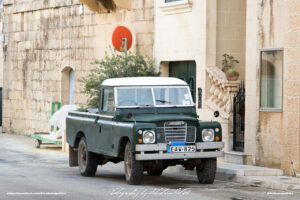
x=170, y=7
x=156, y=96
x=271, y=80
x=172, y=96
x=108, y=102
x=135, y=97
x=167, y=1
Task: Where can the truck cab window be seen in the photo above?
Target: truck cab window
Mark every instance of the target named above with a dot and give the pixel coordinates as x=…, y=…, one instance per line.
x=108, y=102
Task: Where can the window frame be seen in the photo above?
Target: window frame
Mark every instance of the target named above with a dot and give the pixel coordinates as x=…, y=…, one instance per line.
x=175, y=7
x=102, y=101
x=152, y=89
x=171, y=1
x=264, y=109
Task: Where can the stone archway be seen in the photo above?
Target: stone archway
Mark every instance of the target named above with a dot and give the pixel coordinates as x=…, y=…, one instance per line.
x=67, y=86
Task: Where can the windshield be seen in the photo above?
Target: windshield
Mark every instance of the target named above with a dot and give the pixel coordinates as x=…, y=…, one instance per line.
x=156, y=96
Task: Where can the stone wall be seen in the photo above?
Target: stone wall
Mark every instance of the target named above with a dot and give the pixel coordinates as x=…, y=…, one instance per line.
x=1, y=46
x=43, y=39
x=231, y=32
x=272, y=138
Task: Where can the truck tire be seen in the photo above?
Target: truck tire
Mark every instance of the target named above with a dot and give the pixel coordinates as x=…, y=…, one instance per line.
x=206, y=171
x=37, y=143
x=133, y=169
x=155, y=171
x=87, y=161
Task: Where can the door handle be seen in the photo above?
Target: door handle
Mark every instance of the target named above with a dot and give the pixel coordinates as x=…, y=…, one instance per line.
x=96, y=120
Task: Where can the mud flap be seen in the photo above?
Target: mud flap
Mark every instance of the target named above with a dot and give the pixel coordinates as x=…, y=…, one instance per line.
x=73, y=158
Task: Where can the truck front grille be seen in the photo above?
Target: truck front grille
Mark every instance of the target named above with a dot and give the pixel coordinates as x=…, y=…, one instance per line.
x=176, y=131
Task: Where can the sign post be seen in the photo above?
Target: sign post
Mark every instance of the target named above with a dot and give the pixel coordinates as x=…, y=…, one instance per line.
x=125, y=40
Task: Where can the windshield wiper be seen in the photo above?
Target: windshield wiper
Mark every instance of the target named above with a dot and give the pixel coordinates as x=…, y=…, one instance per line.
x=142, y=106
x=163, y=101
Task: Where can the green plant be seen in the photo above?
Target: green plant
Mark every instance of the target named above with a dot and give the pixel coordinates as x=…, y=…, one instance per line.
x=232, y=71
x=115, y=65
x=227, y=62
x=82, y=109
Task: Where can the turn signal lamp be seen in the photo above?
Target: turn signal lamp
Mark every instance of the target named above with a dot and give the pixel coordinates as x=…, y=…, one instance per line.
x=140, y=141
x=217, y=138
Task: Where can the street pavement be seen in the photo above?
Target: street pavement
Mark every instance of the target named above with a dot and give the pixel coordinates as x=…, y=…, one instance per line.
x=29, y=173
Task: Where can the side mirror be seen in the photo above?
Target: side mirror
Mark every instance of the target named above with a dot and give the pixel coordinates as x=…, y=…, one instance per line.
x=129, y=115
x=216, y=114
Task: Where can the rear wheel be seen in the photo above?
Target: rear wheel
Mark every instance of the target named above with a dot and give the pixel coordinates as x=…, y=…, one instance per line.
x=206, y=170
x=37, y=143
x=133, y=169
x=87, y=161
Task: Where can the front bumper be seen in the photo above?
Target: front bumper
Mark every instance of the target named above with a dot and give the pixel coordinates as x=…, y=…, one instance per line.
x=144, y=151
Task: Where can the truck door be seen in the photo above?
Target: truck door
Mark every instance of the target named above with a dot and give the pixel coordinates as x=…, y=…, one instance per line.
x=107, y=111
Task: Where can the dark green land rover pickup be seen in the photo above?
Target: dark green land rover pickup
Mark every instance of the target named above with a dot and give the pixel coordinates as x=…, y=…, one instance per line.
x=150, y=123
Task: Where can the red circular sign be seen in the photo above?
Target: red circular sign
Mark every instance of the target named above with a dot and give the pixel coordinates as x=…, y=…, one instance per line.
x=119, y=34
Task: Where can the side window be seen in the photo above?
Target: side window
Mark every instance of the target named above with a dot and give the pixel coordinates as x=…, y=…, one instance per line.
x=108, y=101
x=271, y=80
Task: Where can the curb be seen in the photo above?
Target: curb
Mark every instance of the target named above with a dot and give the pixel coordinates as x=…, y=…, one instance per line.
x=249, y=175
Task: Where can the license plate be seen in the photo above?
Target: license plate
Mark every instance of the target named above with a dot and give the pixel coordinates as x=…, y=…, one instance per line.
x=181, y=149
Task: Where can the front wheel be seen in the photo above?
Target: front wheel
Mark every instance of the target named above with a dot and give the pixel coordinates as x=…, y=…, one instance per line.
x=87, y=161
x=206, y=170
x=133, y=169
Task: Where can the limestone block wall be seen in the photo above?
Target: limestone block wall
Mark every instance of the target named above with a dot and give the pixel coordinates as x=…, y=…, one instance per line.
x=1, y=46
x=251, y=81
x=139, y=19
x=231, y=32
x=273, y=137
x=43, y=40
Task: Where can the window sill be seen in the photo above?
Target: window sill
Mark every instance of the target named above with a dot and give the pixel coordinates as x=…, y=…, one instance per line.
x=176, y=7
x=274, y=110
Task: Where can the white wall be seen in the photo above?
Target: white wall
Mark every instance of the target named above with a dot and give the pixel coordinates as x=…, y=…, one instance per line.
x=181, y=35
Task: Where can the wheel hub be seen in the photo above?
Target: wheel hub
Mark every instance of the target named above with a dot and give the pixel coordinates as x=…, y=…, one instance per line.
x=83, y=156
x=128, y=162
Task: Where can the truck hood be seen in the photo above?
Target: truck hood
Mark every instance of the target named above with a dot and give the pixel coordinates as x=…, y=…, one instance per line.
x=162, y=117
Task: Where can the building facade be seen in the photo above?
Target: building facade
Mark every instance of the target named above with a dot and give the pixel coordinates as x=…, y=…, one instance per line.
x=190, y=38
x=48, y=47
x=273, y=85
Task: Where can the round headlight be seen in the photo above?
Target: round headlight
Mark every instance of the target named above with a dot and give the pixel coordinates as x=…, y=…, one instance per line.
x=208, y=135
x=148, y=137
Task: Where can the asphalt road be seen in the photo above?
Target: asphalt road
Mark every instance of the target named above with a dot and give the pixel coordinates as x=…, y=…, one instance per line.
x=28, y=173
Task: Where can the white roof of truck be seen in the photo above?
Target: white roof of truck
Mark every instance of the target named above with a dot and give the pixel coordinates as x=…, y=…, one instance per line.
x=143, y=81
